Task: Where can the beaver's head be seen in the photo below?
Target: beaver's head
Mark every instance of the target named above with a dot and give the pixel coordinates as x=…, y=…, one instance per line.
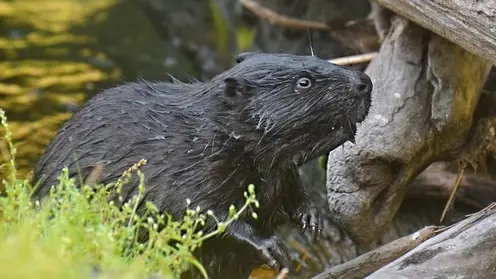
x=302, y=102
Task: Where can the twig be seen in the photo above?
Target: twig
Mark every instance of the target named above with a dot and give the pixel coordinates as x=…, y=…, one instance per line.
x=487, y=208
x=375, y=259
x=285, y=21
x=293, y=23
x=283, y=273
x=445, y=228
x=452, y=196
x=354, y=59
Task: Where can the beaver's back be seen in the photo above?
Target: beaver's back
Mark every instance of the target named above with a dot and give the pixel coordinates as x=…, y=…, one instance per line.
x=118, y=128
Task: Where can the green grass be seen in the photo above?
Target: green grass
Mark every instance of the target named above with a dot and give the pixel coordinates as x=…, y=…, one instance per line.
x=73, y=231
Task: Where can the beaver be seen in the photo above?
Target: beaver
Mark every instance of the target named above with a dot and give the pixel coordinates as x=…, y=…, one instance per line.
x=254, y=123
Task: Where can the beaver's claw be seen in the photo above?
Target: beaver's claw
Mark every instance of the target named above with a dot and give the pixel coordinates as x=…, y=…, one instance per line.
x=310, y=218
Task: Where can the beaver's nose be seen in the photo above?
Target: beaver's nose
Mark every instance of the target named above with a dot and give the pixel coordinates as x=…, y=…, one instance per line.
x=363, y=84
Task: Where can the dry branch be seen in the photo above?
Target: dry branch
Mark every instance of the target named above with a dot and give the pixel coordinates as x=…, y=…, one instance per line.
x=281, y=20
x=470, y=24
x=465, y=250
x=359, y=35
x=375, y=259
x=354, y=59
x=449, y=203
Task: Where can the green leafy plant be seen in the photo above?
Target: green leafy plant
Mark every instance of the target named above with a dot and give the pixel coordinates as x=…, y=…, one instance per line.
x=74, y=232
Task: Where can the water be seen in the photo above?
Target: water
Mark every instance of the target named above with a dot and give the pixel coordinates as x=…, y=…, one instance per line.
x=56, y=54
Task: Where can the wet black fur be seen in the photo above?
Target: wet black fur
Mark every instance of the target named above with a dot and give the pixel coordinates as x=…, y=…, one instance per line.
x=207, y=141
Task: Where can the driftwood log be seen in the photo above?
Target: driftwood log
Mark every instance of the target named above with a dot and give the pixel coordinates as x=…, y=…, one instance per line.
x=425, y=92
x=466, y=250
x=470, y=24
x=373, y=260
x=424, y=201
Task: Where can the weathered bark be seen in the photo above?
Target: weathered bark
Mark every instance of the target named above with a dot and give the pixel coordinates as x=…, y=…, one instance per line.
x=373, y=260
x=470, y=24
x=423, y=204
x=425, y=92
x=467, y=250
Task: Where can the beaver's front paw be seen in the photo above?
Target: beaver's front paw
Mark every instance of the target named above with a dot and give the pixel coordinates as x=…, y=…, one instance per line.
x=308, y=217
x=273, y=253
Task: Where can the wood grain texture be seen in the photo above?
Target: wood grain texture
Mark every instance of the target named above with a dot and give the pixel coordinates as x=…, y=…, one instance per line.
x=369, y=262
x=468, y=23
x=464, y=251
x=426, y=89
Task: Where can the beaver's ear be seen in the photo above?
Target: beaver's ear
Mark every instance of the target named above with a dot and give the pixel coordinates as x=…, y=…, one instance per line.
x=234, y=90
x=242, y=56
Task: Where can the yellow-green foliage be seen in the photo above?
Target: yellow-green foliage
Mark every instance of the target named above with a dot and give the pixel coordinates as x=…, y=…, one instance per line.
x=75, y=231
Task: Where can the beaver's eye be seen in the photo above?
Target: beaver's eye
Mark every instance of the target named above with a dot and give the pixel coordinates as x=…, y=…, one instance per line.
x=304, y=82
